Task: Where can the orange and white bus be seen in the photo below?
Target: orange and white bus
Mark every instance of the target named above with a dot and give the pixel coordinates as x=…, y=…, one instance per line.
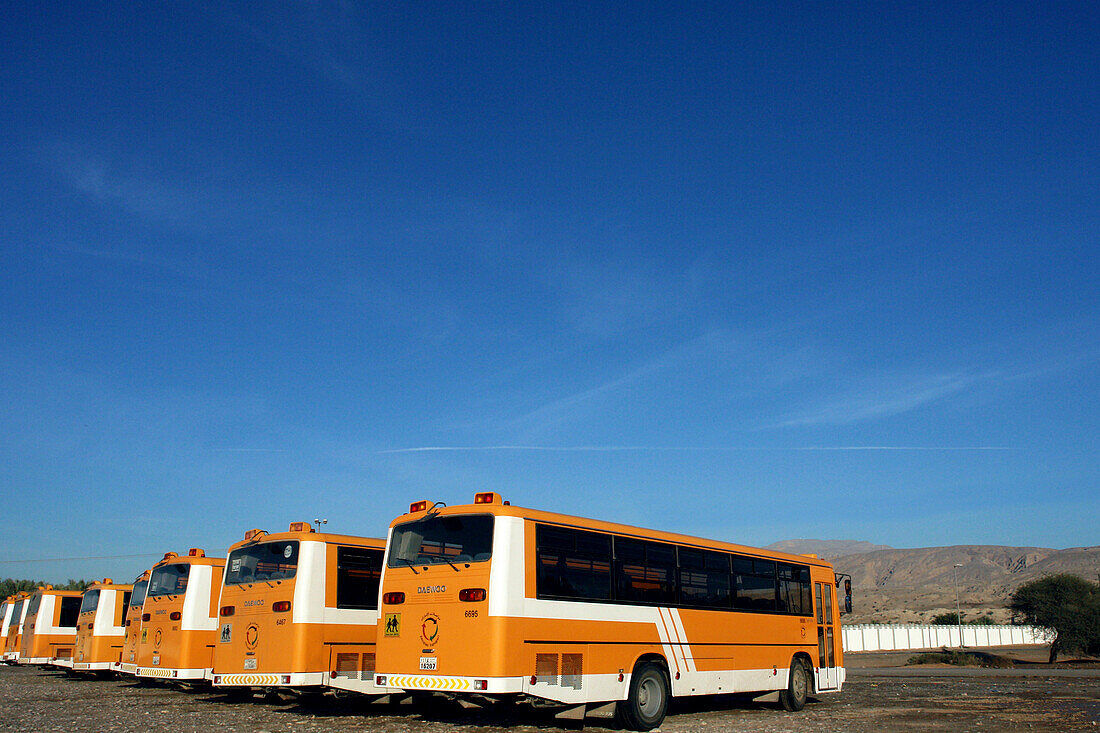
x=179, y=620
x=6, y=609
x=488, y=599
x=127, y=661
x=49, y=628
x=14, y=610
x=299, y=609
x=100, y=626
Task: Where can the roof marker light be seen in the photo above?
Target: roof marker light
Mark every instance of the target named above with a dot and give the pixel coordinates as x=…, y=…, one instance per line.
x=487, y=497
x=196, y=552
x=301, y=527
x=420, y=506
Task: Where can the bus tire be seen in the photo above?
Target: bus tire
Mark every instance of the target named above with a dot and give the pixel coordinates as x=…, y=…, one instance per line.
x=794, y=697
x=647, y=701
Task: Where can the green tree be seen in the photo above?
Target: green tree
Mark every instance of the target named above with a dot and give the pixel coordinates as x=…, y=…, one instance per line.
x=946, y=619
x=1066, y=604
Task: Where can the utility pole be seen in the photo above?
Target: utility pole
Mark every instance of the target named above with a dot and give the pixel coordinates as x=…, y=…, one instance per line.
x=958, y=611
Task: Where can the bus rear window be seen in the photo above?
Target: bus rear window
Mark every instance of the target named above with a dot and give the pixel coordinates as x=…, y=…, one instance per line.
x=15, y=615
x=90, y=602
x=138, y=596
x=454, y=539
x=32, y=608
x=168, y=580
x=263, y=562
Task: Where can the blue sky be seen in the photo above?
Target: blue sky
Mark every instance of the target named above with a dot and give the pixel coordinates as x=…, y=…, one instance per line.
x=751, y=272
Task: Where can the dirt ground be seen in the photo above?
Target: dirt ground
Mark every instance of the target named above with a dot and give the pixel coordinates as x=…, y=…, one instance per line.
x=880, y=695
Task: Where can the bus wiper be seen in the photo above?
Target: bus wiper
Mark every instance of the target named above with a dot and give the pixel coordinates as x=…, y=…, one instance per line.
x=444, y=559
x=409, y=563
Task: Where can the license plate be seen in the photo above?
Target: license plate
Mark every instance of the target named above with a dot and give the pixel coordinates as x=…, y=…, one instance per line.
x=250, y=664
x=427, y=664
x=156, y=659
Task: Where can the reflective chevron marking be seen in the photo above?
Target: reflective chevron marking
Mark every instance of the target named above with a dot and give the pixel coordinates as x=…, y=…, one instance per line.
x=250, y=679
x=143, y=672
x=426, y=682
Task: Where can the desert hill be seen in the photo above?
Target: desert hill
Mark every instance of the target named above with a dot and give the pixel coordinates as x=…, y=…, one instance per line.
x=911, y=585
x=826, y=549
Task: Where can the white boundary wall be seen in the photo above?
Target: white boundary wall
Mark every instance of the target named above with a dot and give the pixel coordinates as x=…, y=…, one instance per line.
x=901, y=637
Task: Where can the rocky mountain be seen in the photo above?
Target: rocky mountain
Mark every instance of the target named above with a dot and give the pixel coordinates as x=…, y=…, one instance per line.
x=912, y=585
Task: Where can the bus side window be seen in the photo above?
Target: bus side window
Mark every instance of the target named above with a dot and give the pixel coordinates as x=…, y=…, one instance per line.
x=572, y=564
x=70, y=611
x=358, y=571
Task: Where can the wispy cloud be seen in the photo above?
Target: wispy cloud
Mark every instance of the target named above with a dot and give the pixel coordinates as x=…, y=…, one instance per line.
x=878, y=400
x=112, y=182
x=682, y=448
x=565, y=408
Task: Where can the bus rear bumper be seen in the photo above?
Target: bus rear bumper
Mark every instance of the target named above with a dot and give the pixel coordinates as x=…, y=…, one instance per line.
x=43, y=660
x=192, y=675
x=443, y=683
x=274, y=679
x=92, y=666
x=124, y=668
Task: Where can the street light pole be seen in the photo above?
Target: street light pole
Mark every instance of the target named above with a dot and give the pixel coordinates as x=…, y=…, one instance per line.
x=958, y=612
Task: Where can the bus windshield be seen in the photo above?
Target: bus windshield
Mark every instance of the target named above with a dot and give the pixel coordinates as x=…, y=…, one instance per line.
x=453, y=539
x=265, y=561
x=169, y=580
x=138, y=596
x=90, y=602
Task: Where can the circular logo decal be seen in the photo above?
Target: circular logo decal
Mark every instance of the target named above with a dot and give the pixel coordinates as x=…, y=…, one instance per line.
x=429, y=629
x=288, y=551
x=156, y=638
x=251, y=636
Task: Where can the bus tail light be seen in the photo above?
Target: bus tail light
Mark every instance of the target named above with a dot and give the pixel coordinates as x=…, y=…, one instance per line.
x=420, y=506
x=227, y=610
x=471, y=595
x=196, y=552
x=286, y=679
x=301, y=527
x=128, y=621
x=481, y=685
x=280, y=606
x=393, y=599
x=380, y=680
x=487, y=497
x=145, y=617
x=175, y=615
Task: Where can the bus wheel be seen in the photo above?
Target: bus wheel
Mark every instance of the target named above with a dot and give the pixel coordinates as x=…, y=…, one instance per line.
x=647, y=703
x=798, y=688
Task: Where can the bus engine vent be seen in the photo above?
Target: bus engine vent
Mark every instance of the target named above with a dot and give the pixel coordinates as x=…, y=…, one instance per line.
x=347, y=665
x=546, y=668
x=368, y=666
x=572, y=670
x=64, y=652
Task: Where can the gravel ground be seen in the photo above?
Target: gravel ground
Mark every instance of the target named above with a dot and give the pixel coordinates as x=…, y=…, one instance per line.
x=37, y=699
